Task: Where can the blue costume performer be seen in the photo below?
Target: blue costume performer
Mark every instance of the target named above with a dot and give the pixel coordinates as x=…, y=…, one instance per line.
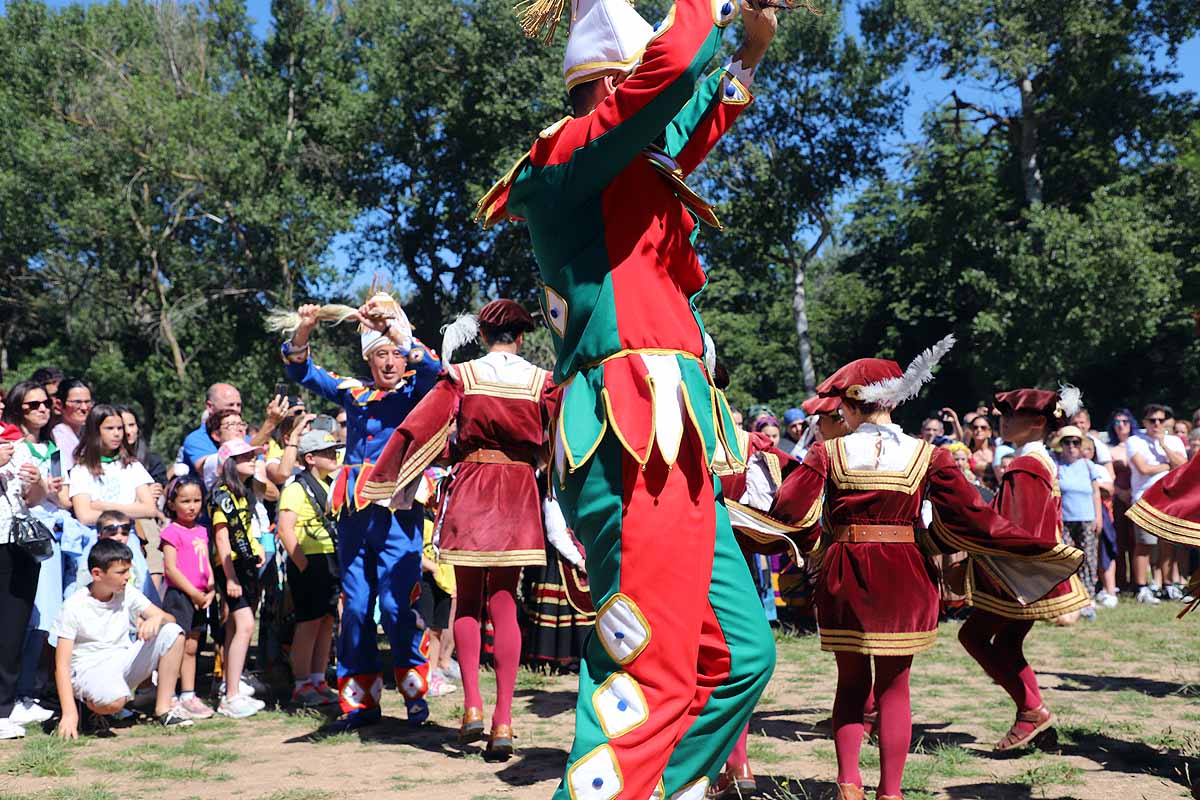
x=379, y=550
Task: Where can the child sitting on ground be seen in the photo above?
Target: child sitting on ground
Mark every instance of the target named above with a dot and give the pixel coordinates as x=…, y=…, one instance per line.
x=97, y=661
x=189, y=577
x=308, y=534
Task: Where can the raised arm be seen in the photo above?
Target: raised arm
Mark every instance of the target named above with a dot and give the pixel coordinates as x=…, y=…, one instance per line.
x=590, y=151
x=722, y=96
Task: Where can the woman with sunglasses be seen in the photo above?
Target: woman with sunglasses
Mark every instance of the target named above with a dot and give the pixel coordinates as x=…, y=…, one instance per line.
x=983, y=452
x=1121, y=426
x=1079, y=480
x=29, y=408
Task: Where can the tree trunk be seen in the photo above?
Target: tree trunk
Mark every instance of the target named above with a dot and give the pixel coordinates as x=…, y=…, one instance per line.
x=800, y=305
x=1031, y=173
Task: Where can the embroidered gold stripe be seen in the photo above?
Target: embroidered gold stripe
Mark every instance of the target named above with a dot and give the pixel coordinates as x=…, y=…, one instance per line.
x=1156, y=522
x=906, y=480
x=1076, y=599
x=495, y=558
x=850, y=641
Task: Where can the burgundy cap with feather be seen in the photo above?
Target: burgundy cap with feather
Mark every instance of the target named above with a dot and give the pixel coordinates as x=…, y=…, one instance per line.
x=850, y=379
x=1057, y=407
x=821, y=405
x=505, y=315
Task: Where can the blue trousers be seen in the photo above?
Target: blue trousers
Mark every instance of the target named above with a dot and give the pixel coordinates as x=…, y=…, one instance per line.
x=380, y=555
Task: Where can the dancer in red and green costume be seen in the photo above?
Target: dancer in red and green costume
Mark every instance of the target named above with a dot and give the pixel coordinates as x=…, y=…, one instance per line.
x=681, y=650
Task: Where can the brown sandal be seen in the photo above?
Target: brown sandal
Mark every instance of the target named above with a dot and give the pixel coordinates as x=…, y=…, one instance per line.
x=1040, y=718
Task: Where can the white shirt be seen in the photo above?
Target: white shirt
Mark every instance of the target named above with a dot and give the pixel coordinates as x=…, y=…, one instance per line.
x=117, y=482
x=1154, y=453
x=1103, y=453
x=13, y=499
x=98, y=628
x=879, y=447
x=67, y=441
x=500, y=367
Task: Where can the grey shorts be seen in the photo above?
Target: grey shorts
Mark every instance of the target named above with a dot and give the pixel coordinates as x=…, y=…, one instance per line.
x=1143, y=536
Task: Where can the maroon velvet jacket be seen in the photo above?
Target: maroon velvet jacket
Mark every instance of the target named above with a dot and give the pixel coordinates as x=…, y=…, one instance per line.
x=492, y=512
x=1028, y=496
x=1170, y=508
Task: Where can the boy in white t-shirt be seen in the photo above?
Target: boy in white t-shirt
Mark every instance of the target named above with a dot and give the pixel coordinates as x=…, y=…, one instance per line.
x=96, y=658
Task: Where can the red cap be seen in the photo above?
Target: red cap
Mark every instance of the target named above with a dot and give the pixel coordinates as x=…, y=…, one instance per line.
x=506, y=315
x=850, y=379
x=1032, y=401
x=821, y=405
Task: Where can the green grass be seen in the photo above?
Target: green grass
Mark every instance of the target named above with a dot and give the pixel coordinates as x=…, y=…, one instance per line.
x=762, y=751
x=1053, y=773
x=532, y=680
x=44, y=757
x=94, y=791
x=298, y=794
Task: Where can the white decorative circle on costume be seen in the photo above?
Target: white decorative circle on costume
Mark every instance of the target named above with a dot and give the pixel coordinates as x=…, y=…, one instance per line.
x=693, y=791
x=623, y=630
x=732, y=92
x=620, y=705
x=555, y=308
x=659, y=793
x=596, y=776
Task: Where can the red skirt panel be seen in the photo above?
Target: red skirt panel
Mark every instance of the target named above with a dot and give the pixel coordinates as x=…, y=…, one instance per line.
x=492, y=517
x=876, y=599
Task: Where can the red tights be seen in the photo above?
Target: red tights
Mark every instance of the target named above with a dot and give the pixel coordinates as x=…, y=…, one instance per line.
x=500, y=586
x=997, y=644
x=895, y=716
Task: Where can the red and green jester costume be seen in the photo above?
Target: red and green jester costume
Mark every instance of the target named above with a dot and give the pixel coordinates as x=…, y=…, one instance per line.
x=681, y=649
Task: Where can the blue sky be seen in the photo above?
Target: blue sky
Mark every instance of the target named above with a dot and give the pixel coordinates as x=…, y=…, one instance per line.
x=927, y=91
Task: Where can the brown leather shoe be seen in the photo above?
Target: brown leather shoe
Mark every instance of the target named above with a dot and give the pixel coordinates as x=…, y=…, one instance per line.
x=850, y=791
x=471, y=729
x=1040, y=718
x=500, y=742
x=733, y=782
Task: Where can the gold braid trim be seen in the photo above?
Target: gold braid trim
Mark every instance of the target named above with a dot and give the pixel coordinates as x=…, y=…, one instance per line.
x=877, y=644
x=1163, y=525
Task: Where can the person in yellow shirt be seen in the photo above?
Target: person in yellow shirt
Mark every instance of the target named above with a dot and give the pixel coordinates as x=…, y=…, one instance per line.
x=309, y=535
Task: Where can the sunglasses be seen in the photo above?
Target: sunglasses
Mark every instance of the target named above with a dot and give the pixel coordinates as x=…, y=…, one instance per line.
x=116, y=530
x=1071, y=443
x=1156, y=420
x=981, y=427
x=1121, y=421
x=36, y=404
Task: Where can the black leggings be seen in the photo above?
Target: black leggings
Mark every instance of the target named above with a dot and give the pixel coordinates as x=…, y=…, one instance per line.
x=18, y=586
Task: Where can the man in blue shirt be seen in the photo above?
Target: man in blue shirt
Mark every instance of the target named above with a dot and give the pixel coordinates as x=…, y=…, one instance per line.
x=379, y=551
x=198, y=444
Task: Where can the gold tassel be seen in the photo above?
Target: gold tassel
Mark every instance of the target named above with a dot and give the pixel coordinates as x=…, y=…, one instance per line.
x=534, y=15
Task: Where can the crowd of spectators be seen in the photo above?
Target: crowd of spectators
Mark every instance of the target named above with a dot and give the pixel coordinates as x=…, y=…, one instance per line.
x=169, y=566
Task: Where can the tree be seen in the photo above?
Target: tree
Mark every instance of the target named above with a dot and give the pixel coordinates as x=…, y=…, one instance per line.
x=817, y=128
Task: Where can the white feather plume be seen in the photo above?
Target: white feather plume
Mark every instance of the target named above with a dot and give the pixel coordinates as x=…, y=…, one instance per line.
x=463, y=330
x=710, y=353
x=1070, y=400
x=894, y=391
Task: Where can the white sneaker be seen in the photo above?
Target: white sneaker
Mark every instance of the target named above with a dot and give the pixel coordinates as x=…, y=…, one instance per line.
x=244, y=689
x=238, y=707
x=10, y=729
x=1105, y=599
x=28, y=712
x=1146, y=595
x=1174, y=591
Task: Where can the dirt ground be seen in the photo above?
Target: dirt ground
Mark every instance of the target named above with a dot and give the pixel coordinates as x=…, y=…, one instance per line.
x=1126, y=689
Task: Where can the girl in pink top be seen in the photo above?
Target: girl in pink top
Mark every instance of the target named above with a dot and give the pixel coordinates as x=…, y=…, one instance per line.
x=190, y=588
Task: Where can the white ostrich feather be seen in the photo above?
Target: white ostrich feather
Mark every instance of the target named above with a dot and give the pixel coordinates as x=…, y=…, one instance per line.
x=463, y=330
x=710, y=353
x=894, y=391
x=1070, y=400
